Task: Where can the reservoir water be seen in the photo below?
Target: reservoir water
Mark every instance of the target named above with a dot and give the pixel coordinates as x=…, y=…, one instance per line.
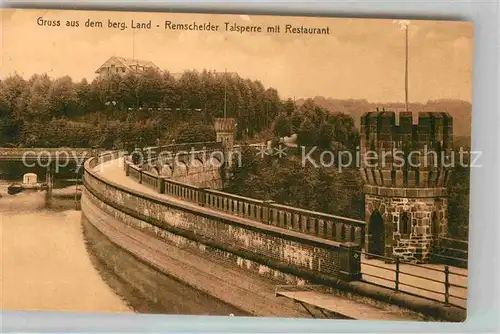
x=43, y=260
x=45, y=264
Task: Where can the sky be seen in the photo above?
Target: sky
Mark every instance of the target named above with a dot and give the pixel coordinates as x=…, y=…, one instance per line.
x=359, y=59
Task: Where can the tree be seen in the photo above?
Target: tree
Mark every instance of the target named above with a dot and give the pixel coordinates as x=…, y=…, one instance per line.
x=83, y=96
x=150, y=88
x=307, y=134
x=62, y=97
x=325, y=135
x=282, y=126
x=170, y=96
x=38, y=104
x=289, y=107
x=190, y=88
x=15, y=91
x=192, y=133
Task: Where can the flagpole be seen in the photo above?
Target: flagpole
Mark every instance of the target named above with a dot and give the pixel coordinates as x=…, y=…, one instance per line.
x=225, y=91
x=406, y=68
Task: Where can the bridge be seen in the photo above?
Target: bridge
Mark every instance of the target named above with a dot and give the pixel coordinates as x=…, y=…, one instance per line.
x=47, y=155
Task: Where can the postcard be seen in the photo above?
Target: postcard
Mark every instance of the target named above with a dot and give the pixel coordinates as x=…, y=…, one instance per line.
x=235, y=164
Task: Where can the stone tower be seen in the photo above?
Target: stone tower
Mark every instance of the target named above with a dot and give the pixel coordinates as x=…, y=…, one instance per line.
x=225, y=130
x=406, y=167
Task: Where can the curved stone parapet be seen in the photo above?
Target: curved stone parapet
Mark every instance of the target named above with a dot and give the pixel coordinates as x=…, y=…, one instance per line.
x=323, y=225
x=269, y=251
x=266, y=242
x=197, y=164
x=197, y=236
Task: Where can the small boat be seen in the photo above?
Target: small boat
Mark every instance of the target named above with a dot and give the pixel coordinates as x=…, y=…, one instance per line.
x=35, y=186
x=15, y=188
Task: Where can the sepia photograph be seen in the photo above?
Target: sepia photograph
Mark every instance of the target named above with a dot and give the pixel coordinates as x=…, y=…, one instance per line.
x=235, y=165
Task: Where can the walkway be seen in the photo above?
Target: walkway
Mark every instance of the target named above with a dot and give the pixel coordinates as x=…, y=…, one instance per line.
x=429, y=274
x=113, y=170
x=245, y=290
x=330, y=303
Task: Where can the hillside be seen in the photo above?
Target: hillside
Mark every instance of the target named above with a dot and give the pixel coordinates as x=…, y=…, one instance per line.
x=460, y=110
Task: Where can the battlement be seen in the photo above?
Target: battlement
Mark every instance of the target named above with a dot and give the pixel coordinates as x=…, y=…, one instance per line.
x=388, y=130
x=409, y=179
x=225, y=125
x=410, y=151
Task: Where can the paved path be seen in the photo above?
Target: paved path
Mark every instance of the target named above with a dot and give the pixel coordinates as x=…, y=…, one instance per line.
x=429, y=274
x=344, y=306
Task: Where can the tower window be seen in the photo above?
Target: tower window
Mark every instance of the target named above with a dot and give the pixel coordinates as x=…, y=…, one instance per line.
x=404, y=223
x=435, y=224
x=372, y=146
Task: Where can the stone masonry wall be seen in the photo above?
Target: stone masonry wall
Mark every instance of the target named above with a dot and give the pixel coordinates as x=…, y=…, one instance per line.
x=302, y=255
x=426, y=219
x=405, y=179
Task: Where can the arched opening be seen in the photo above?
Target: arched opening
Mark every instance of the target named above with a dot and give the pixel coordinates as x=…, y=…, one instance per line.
x=404, y=223
x=435, y=224
x=376, y=234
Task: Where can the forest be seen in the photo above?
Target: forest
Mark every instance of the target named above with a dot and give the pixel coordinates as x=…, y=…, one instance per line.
x=154, y=108
x=151, y=106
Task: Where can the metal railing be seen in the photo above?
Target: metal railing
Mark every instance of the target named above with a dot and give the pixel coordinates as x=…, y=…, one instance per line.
x=444, y=284
x=450, y=251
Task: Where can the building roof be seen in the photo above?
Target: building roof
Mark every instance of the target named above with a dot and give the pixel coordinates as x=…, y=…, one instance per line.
x=127, y=63
x=130, y=62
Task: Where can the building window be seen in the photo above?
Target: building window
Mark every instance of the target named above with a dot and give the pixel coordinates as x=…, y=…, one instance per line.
x=404, y=223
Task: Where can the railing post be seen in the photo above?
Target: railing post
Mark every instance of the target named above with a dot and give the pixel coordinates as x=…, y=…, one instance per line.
x=201, y=196
x=446, y=285
x=127, y=172
x=267, y=212
x=362, y=239
x=161, y=185
x=350, y=261
x=397, y=274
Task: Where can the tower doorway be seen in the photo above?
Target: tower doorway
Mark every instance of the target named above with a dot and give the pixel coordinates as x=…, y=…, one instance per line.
x=376, y=234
